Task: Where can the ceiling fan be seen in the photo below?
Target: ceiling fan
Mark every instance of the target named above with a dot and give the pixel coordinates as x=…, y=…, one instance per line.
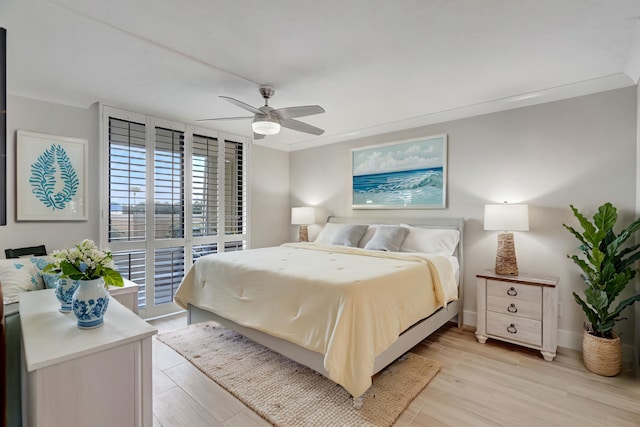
x=267, y=120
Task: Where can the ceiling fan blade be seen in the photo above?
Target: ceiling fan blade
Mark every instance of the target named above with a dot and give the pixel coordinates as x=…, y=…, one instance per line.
x=226, y=118
x=300, y=126
x=258, y=136
x=242, y=105
x=302, y=111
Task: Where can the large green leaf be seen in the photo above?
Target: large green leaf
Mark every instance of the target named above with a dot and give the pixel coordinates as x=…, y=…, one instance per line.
x=625, y=234
x=590, y=232
x=112, y=277
x=585, y=245
x=606, y=217
x=591, y=314
x=588, y=270
x=597, y=299
x=624, y=304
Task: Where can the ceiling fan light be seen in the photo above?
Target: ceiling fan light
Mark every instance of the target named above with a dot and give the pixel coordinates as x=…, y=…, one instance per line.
x=265, y=126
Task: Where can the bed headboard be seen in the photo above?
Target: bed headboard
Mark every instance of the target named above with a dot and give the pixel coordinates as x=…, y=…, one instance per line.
x=448, y=223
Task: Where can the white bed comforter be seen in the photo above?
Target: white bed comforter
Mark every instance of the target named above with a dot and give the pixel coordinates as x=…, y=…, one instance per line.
x=348, y=304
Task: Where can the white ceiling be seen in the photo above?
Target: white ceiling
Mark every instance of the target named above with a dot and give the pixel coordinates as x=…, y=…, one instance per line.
x=374, y=65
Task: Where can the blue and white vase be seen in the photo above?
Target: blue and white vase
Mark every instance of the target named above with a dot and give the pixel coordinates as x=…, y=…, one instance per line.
x=90, y=302
x=65, y=288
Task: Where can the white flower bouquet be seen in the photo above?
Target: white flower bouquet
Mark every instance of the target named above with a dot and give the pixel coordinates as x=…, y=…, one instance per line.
x=85, y=262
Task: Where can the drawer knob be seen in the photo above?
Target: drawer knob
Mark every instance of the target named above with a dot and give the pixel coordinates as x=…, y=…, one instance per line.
x=512, y=308
x=512, y=292
x=512, y=329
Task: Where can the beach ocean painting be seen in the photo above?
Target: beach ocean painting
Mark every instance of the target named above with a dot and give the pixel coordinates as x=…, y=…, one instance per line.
x=409, y=174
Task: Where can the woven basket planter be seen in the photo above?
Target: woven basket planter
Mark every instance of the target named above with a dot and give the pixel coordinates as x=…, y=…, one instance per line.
x=602, y=356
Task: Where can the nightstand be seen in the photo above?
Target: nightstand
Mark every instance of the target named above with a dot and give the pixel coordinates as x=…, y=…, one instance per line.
x=519, y=309
x=126, y=295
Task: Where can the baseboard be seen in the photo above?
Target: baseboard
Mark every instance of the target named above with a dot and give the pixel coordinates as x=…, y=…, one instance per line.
x=566, y=339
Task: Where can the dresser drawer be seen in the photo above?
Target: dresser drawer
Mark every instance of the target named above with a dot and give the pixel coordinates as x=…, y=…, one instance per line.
x=514, y=290
x=514, y=328
x=514, y=306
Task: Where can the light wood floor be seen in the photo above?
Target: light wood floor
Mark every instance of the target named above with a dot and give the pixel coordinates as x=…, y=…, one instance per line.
x=492, y=384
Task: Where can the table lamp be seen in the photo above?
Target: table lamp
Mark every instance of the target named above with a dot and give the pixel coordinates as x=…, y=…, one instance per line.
x=303, y=216
x=506, y=218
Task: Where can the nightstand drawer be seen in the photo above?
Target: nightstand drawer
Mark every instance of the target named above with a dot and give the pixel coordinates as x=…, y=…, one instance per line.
x=514, y=306
x=514, y=290
x=514, y=328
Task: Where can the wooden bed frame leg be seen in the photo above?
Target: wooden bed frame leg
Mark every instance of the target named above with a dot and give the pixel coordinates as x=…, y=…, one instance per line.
x=358, y=402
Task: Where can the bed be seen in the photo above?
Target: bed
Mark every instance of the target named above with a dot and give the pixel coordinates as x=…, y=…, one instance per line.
x=346, y=312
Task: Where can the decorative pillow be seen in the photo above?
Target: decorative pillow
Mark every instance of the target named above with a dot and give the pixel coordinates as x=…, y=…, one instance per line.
x=328, y=232
x=50, y=279
x=368, y=235
x=19, y=275
x=387, y=238
x=438, y=241
x=349, y=234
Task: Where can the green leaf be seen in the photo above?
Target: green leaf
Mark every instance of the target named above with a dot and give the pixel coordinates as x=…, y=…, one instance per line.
x=624, y=304
x=591, y=314
x=70, y=270
x=588, y=270
x=597, y=299
x=590, y=233
x=585, y=245
x=606, y=217
x=112, y=277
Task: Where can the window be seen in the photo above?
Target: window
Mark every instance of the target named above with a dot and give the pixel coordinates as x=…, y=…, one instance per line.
x=171, y=189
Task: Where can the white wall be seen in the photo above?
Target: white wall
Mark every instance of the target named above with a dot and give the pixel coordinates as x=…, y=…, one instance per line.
x=580, y=151
x=55, y=119
x=268, y=180
x=269, y=193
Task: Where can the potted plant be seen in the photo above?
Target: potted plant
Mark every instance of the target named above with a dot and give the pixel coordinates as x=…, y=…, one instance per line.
x=93, y=270
x=607, y=268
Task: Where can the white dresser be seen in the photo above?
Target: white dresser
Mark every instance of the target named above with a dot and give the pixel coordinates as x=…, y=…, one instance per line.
x=98, y=377
x=518, y=309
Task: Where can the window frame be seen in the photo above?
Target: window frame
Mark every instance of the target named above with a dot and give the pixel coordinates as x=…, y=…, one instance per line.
x=188, y=241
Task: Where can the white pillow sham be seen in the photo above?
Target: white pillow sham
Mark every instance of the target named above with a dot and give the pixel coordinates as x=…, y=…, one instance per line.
x=438, y=241
x=349, y=235
x=19, y=275
x=387, y=238
x=327, y=234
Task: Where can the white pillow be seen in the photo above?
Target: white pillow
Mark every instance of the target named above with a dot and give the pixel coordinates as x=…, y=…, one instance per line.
x=349, y=235
x=438, y=241
x=387, y=238
x=19, y=275
x=368, y=235
x=327, y=234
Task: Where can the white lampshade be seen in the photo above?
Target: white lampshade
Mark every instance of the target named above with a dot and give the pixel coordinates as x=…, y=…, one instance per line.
x=304, y=216
x=506, y=217
x=265, y=126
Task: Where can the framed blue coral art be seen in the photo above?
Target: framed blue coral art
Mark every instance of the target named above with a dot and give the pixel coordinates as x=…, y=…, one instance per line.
x=409, y=174
x=51, y=173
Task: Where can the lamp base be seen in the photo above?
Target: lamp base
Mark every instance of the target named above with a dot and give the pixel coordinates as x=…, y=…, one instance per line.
x=303, y=234
x=506, y=262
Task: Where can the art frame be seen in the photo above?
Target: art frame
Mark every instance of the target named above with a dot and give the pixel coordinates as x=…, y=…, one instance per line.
x=51, y=177
x=409, y=174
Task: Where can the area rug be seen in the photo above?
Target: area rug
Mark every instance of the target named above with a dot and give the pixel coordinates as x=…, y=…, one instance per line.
x=286, y=393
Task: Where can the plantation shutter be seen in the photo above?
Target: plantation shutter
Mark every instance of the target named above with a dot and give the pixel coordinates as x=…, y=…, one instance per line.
x=126, y=196
x=175, y=194
x=169, y=184
x=205, y=186
x=235, y=196
x=127, y=170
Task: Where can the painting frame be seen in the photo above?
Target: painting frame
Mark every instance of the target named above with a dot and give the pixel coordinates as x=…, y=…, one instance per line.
x=51, y=177
x=407, y=174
